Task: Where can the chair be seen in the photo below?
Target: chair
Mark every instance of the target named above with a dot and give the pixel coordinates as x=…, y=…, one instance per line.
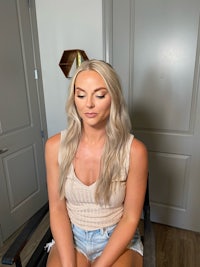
x=39, y=256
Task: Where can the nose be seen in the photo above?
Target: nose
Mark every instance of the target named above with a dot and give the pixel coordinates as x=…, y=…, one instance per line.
x=90, y=102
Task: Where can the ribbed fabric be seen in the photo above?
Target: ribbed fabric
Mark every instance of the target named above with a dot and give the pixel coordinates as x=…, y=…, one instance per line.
x=80, y=199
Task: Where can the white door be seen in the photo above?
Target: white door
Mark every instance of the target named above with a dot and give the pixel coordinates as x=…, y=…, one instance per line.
x=22, y=170
x=155, y=47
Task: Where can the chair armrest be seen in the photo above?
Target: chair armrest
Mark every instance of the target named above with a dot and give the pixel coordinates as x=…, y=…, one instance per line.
x=149, y=259
x=39, y=256
x=12, y=255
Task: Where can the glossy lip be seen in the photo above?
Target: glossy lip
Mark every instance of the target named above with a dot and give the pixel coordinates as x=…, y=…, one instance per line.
x=90, y=115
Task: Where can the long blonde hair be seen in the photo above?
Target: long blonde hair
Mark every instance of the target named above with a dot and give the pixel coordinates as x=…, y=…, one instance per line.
x=117, y=131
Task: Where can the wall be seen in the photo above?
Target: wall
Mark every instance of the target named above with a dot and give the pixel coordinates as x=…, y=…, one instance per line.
x=64, y=25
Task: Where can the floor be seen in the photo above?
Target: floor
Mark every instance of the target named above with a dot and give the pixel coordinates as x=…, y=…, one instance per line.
x=174, y=247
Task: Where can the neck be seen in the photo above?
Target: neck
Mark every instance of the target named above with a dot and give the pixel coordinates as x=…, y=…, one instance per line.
x=93, y=136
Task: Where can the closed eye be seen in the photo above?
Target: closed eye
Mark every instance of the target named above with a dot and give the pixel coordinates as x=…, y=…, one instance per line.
x=100, y=96
x=80, y=96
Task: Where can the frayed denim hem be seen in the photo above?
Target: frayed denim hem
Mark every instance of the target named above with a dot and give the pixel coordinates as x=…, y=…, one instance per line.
x=49, y=245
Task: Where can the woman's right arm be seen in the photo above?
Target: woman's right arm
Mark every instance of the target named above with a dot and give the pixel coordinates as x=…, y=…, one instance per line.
x=59, y=220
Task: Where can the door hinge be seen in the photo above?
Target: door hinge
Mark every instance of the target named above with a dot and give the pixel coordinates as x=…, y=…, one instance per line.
x=1, y=129
x=42, y=134
x=36, y=74
x=1, y=236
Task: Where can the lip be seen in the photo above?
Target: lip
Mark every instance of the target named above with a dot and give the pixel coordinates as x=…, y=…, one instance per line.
x=90, y=115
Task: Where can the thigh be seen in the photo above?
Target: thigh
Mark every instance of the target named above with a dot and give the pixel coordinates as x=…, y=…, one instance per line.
x=54, y=259
x=81, y=260
x=129, y=258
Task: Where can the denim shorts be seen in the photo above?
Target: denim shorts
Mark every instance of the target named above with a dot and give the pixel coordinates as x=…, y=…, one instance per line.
x=92, y=243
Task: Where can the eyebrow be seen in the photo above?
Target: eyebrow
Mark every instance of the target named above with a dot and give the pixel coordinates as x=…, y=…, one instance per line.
x=96, y=90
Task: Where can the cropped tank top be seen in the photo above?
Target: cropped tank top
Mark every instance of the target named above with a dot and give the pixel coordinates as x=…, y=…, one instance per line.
x=80, y=198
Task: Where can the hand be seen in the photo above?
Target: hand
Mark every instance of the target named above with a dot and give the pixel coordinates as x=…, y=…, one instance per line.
x=94, y=264
x=97, y=263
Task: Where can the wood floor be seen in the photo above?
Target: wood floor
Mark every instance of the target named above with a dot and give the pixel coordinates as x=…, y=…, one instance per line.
x=174, y=247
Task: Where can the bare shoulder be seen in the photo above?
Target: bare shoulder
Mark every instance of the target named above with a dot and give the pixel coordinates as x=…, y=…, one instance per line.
x=138, y=154
x=138, y=159
x=138, y=148
x=52, y=144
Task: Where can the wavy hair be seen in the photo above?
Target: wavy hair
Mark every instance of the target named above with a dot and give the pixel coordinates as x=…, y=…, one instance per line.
x=117, y=131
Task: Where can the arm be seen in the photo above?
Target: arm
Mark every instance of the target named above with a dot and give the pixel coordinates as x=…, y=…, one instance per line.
x=135, y=193
x=59, y=220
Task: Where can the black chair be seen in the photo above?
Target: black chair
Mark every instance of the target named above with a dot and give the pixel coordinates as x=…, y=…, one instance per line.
x=39, y=256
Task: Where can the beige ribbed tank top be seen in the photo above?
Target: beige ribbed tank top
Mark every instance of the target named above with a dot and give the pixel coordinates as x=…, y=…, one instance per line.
x=80, y=198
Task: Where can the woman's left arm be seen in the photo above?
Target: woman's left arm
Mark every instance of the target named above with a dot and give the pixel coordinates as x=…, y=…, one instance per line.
x=133, y=204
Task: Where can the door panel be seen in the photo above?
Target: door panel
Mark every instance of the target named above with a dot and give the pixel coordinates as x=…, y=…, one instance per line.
x=14, y=89
x=22, y=168
x=15, y=174
x=155, y=49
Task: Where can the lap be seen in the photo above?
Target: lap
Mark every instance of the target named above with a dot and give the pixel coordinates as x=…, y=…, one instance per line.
x=129, y=258
x=54, y=259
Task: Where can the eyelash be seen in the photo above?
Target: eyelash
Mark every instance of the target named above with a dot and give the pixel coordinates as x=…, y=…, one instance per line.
x=101, y=96
x=80, y=96
x=98, y=96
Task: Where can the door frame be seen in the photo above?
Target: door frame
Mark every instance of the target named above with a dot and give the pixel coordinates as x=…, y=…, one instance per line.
x=39, y=82
x=107, y=19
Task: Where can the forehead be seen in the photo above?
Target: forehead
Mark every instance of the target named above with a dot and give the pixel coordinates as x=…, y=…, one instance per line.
x=89, y=77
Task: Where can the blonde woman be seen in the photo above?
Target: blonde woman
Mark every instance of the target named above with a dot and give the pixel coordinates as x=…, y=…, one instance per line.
x=96, y=176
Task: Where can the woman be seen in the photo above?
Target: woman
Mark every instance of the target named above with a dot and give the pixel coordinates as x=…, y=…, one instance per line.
x=96, y=176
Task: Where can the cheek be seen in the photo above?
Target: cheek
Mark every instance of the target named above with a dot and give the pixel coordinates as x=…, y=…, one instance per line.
x=108, y=106
x=77, y=105
x=108, y=109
